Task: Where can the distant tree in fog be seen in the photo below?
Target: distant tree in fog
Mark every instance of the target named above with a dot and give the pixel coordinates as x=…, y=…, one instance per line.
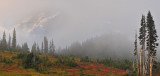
x=42, y=48
x=4, y=42
x=136, y=53
x=25, y=47
x=18, y=48
x=14, y=40
x=45, y=45
x=51, y=47
x=9, y=43
x=34, y=48
x=38, y=50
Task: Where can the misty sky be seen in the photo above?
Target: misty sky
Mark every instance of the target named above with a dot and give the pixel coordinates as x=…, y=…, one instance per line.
x=67, y=21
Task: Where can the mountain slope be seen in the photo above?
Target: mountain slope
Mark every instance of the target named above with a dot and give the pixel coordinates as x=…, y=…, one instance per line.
x=12, y=65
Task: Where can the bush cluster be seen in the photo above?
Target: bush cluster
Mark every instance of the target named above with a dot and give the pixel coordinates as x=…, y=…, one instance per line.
x=5, y=60
x=67, y=62
x=85, y=59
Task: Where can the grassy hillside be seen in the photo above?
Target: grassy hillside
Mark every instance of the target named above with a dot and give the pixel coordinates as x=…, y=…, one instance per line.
x=27, y=64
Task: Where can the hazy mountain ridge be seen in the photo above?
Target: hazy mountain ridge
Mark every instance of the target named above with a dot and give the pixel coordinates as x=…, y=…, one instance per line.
x=105, y=46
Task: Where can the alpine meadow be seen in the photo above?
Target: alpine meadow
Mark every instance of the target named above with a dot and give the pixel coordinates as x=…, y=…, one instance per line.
x=79, y=38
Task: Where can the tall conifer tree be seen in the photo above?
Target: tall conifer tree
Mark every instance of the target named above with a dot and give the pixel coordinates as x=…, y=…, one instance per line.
x=4, y=42
x=136, y=53
x=51, y=47
x=25, y=47
x=42, y=48
x=34, y=48
x=151, y=41
x=45, y=45
x=14, y=40
x=142, y=35
x=9, y=43
x=38, y=50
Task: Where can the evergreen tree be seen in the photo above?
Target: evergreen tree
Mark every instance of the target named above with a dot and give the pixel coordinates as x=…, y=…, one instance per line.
x=135, y=45
x=14, y=40
x=151, y=40
x=25, y=47
x=9, y=43
x=42, y=48
x=51, y=47
x=45, y=45
x=4, y=42
x=34, y=48
x=38, y=50
x=142, y=35
x=18, y=48
x=136, y=53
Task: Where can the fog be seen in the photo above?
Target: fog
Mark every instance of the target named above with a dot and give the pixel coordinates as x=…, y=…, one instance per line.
x=115, y=46
x=68, y=21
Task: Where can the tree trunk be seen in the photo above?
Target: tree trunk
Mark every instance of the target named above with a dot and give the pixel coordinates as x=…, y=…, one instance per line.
x=144, y=69
x=133, y=66
x=140, y=62
x=149, y=46
x=143, y=58
x=137, y=65
x=150, y=65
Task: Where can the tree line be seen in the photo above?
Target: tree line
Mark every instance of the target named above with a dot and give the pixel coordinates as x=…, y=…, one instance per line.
x=47, y=47
x=148, y=43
